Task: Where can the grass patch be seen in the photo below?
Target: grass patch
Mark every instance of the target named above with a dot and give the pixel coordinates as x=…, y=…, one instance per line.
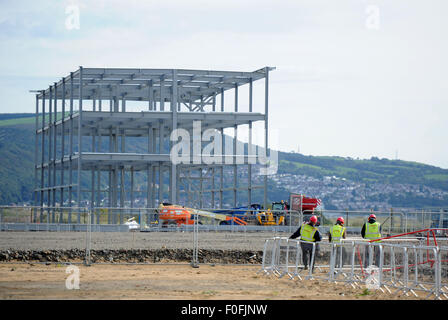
x=209, y=292
x=365, y=292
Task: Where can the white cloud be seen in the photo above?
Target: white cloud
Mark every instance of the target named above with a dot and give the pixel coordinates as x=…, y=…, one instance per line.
x=339, y=88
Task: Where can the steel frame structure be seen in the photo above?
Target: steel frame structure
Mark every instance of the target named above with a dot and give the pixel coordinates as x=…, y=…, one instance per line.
x=78, y=115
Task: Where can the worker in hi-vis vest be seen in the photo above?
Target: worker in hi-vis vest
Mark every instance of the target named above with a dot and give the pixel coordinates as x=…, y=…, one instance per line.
x=371, y=230
x=308, y=233
x=335, y=235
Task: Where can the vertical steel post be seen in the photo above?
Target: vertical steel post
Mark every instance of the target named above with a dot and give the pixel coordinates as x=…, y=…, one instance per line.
x=221, y=168
x=161, y=151
x=266, y=137
x=213, y=188
x=154, y=173
x=194, y=260
x=55, y=130
x=123, y=171
x=88, y=237
x=132, y=187
x=380, y=265
x=174, y=181
x=36, y=146
x=92, y=173
x=149, y=169
x=122, y=192
x=214, y=154
x=123, y=104
x=92, y=194
x=50, y=149
x=100, y=99
x=61, y=201
x=201, y=188
x=150, y=95
x=249, y=148
x=79, y=143
x=98, y=194
x=70, y=176
x=162, y=97
x=234, y=161
x=109, y=194
x=42, y=169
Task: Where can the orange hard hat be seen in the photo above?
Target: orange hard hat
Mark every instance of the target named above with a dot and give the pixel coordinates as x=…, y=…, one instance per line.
x=341, y=220
x=313, y=219
x=372, y=216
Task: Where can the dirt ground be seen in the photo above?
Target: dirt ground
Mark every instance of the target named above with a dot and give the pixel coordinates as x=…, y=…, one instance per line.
x=166, y=282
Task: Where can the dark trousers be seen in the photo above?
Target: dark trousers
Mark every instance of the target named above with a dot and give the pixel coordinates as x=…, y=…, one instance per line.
x=375, y=258
x=307, y=254
x=340, y=250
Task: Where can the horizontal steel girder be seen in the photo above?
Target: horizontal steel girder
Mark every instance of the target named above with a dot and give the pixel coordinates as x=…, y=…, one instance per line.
x=134, y=83
x=139, y=161
x=137, y=123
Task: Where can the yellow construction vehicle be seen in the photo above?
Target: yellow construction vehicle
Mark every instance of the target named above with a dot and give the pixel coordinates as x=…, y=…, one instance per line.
x=268, y=218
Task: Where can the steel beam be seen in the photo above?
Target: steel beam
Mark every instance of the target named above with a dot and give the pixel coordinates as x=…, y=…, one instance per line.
x=197, y=90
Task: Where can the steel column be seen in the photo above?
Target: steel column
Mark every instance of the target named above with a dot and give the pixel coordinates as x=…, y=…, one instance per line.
x=79, y=144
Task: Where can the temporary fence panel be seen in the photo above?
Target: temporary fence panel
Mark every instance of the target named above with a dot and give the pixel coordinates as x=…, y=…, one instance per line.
x=268, y=260
x=289, y=253
x=443, y=260
x=341, y=260
x=423, y=269
x=322, y=257
x=283, y=256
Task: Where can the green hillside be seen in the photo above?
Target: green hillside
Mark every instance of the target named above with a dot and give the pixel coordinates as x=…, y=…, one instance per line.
x=372, y=170
x=16, y=163
x=17, y=173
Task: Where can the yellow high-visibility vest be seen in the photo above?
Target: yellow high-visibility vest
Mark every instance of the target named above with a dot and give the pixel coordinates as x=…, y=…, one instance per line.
x=372, y=231
x=307, y=233
x=336, y=232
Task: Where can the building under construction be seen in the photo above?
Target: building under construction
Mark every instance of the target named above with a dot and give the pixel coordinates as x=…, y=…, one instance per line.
x=91, y=126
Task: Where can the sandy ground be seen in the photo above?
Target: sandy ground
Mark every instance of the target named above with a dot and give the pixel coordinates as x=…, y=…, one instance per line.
x=166, y=282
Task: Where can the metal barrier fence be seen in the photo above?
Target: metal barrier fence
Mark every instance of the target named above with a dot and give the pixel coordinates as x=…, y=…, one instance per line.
x=403, y=267
x=283, y=256
x=392, y=221
x=18, y=223
x=143, y=219
x=89, y=230
x=137, y=229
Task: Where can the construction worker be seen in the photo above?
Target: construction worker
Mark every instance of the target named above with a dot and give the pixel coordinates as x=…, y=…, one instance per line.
x=335, y=234
x=371, y=230
x=309, y=234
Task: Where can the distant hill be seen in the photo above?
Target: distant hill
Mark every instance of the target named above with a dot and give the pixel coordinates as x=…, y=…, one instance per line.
x=17, y=173
x=367, y=171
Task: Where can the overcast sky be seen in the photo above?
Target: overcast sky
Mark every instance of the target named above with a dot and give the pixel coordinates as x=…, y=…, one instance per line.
x=353, y=78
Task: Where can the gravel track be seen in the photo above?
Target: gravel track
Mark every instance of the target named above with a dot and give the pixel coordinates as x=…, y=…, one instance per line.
x=134, y=240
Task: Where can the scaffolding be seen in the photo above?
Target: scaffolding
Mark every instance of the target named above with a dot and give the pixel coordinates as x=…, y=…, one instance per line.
x=85, y=137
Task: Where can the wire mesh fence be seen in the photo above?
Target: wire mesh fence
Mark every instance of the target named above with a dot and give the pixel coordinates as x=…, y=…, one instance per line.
x=44, y=234
x=101, y=232
x=390, y=267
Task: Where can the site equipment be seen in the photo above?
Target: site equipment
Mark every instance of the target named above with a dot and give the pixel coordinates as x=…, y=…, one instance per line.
x=270, y=218
x=305, y=205
x=246, y=213
x=256, y=215
x=170, y=214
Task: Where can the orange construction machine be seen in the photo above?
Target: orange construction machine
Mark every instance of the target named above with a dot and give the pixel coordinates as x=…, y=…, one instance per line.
x=170, y=214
